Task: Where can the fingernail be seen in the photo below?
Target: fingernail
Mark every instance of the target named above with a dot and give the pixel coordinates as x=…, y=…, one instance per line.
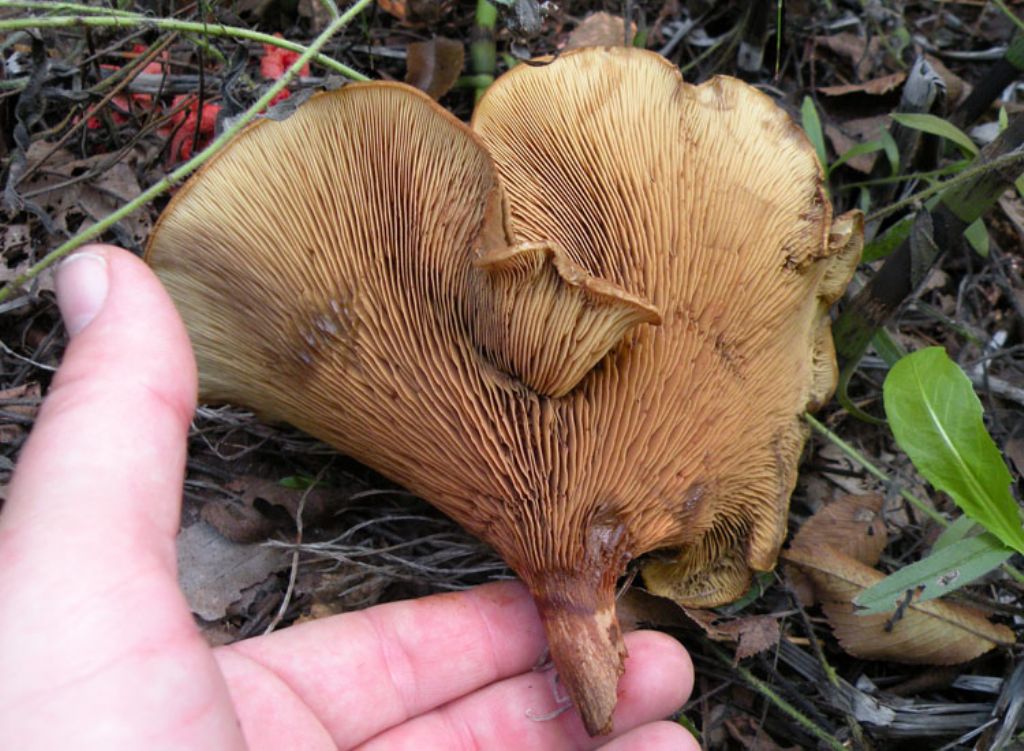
x=81, y=289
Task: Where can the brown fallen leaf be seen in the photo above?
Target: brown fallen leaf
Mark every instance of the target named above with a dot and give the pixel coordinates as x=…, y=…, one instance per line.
x=264, y=506
x=957, y=89
x=72, y=203
x=841, y=143
x=635, y=607
x=864, y=56
x=433, y=67
x=752, y=633
x=845, y=135
x=213, y=571
x=930, y=633
x=600, y=30
x=1013, y=208
x=415, y=12
x=316, y=13
x=756, y=634
x=875, y=87
x=852, y=525
x=396, y=8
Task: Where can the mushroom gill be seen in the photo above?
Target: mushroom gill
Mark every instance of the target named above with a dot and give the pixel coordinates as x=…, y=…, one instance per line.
x=585, y=332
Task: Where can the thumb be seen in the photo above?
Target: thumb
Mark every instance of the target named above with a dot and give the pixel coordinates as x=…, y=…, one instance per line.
x=102, y=469
x=96, y=640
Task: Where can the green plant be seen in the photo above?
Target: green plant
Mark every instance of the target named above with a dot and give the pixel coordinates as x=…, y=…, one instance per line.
x=937, y=420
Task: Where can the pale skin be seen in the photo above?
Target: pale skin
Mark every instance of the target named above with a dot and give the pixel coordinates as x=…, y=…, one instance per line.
x=99, y=649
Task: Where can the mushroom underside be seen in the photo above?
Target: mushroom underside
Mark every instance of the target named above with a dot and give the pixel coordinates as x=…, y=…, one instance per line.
x=584, y=332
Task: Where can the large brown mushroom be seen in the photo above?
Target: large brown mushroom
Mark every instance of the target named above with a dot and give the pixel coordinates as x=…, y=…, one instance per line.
x=586, y=329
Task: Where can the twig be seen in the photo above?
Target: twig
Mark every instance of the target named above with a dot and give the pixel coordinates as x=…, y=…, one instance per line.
x=117, y=82
x=294, y=573
x=1007, y=160
x=193, y=164
x=772, y=696
x=122, y=19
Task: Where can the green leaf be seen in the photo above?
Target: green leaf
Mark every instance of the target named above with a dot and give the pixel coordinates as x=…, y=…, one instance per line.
x=297, y=482
x=976, y=235
x=868, y=147
x=887, y=347
x=864, y=200
x=963, y=527
x=812, y=127
x=939, y=574
x=937, y=420
x=892, y=152
x=888, y=241
x=937, y=127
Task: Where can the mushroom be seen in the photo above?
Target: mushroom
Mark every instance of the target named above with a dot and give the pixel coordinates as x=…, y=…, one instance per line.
x=586, y=328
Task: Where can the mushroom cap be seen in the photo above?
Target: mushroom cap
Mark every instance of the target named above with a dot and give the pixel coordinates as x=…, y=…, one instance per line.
x=585, y=332
x=707, y=201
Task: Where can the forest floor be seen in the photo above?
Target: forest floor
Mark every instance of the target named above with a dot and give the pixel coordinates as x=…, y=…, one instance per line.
x=92, y=114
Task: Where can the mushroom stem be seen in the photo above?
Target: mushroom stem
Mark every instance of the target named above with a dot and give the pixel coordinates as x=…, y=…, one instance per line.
x=586, y=646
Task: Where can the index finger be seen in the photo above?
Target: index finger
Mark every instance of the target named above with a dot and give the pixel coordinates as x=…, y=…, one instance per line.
x=364, y=672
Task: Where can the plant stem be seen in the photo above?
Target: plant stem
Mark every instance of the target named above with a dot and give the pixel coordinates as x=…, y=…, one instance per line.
x=193, y=164
x=63, y=7
x=1013, y=159
x=483, y=56
x=863, y=461
x=1009, y=14
x=771, y=695
x=121, y=19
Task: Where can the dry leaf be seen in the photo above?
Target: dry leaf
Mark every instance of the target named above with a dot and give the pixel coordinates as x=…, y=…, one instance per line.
x=14, y=237
x=957, y=89
x=851, y=525
x=73, y=203
x=316, y=12
x=754, y=633
x=862, y=55
x=396, y=8
x=707, y=619
x=251, y=516
x=1014, y=450
x=1013, y=208
x=875, y=87
x=213, y=571
x=841, y=143
x=635, y=607
x=931, y=633
x=600, y=30
x=434, y=67
x=850, y=133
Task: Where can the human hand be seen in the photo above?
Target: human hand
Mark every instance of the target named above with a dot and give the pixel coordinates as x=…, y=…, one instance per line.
x=99, y=649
